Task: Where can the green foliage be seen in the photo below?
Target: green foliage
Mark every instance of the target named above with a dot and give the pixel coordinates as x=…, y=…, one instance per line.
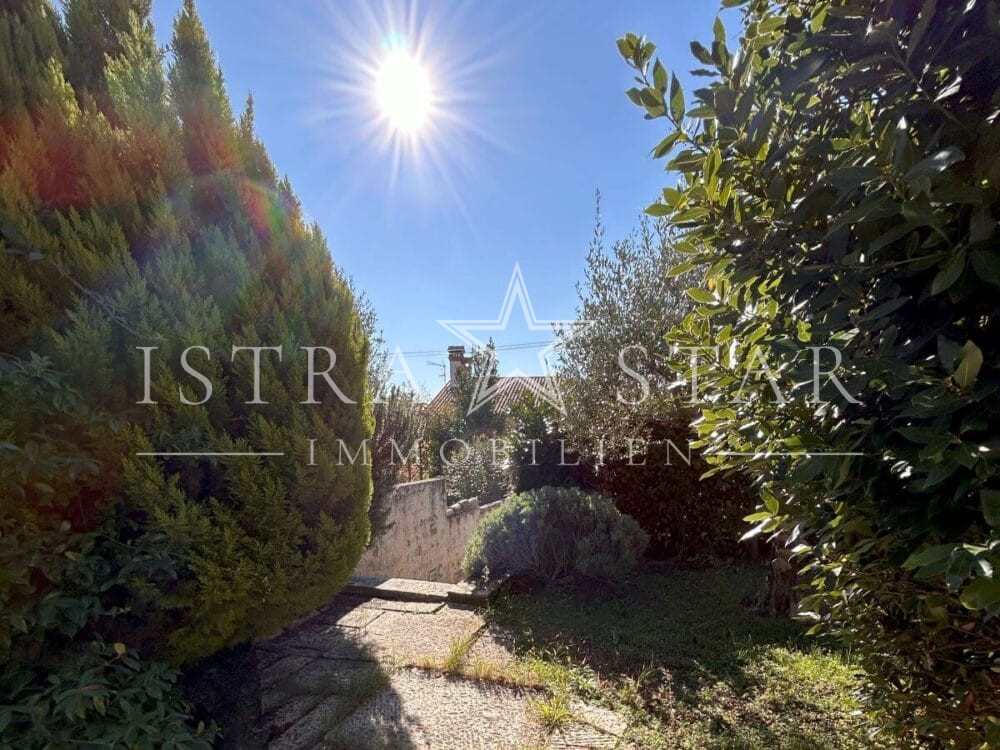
x=102, y=695
x=552, y=533
x=632, y=299
x=47, y=541
x=837, y=185
x=677, y=653
x=478, y=468
x=29, y=37
x=540, y=458
x=93, y=33
x=686, y=516
x=630, y=302
x=134, y=212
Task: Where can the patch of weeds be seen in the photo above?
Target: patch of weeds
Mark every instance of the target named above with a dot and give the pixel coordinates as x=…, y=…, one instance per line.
x=552, y=712
x=634, y=687
x=534, y=671
x=485, y=670
x=454, y=661
x=513, y=674
x=558, y=671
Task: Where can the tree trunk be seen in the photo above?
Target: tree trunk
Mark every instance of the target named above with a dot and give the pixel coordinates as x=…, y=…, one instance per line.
x=782, y=591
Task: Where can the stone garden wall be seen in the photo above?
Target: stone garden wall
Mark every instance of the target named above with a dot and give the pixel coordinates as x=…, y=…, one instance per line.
x=425, y=537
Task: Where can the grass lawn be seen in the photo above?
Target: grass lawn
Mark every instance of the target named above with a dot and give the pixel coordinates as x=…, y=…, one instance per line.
x=683, y=655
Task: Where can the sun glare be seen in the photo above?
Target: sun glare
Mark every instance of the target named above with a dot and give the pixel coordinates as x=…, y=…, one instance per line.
x=405, y=99
x=403, y=91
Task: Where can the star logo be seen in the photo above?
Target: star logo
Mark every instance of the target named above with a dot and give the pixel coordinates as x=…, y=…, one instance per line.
x=547, y=389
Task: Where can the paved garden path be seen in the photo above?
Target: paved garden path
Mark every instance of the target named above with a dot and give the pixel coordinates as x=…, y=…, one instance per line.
x=368, y=673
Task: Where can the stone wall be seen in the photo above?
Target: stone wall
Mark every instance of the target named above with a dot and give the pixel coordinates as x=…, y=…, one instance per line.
x=425, y=538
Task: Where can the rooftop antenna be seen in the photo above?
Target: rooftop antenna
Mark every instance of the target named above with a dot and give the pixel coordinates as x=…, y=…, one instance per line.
x=443, y=366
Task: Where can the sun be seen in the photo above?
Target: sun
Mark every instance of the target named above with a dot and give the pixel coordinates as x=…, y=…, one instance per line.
x=403, y=92
x=403, y=99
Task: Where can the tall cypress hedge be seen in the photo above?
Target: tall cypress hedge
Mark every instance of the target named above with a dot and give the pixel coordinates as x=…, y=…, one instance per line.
x=137, y=211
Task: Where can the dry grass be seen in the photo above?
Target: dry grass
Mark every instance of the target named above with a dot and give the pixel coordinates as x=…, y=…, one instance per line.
x=553, y=712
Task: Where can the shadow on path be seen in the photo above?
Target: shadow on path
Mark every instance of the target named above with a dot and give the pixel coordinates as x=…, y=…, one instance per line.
x=318, y=673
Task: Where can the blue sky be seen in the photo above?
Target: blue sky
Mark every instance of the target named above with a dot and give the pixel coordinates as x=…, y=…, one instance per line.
x=532, y=120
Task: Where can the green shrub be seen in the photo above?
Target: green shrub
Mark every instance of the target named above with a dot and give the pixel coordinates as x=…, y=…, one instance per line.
x=535, y=430
x=136, y=212
x=101, y=695
x=841, y=188
x=632, y=301
x=686, y=516
x=475, y=470
x=552, y=533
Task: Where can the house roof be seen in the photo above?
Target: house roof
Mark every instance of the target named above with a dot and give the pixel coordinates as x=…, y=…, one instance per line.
x=510, y=390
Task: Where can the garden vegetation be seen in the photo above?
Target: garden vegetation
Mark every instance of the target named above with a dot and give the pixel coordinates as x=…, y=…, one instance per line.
x=137, y=211
x=555, y=533
x=837, y=184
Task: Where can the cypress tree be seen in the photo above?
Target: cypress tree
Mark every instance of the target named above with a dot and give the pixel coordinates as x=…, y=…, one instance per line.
x=30, y=36
x=95, y=30
x=135, y=212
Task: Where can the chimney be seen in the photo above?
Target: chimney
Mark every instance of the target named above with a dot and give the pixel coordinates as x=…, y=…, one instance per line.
x=456, y=360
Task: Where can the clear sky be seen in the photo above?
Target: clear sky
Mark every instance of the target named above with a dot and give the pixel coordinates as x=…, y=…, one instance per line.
x=528, y=119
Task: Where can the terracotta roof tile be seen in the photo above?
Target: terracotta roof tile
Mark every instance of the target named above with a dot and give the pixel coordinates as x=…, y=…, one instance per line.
x=510, y=390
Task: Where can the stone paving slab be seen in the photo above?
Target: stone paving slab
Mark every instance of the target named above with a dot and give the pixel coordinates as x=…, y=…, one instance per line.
x=404, y=636
x=360, y=617
x=283, y=669
x=581, y=737
x=301, y=708
x=476, y=594
x=391, y=636
x=288, y=710
x=494, y=645
x=399, y=588
x=338, y=679
x=600, y=718
x=420, y=709
x=407, y=589
x=309, y=731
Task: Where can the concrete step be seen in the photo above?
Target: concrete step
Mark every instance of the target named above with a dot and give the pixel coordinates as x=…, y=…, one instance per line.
x=404, y=589
x=408, y=589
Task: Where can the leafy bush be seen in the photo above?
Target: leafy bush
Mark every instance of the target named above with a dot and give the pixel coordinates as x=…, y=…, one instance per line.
x=136, y=212
x=684, y=515
x=838, y=186
x=534, y=431
x=475, y=469
x=102, y=695
x=632, y=301
x=554, y=532
x=663, y=489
